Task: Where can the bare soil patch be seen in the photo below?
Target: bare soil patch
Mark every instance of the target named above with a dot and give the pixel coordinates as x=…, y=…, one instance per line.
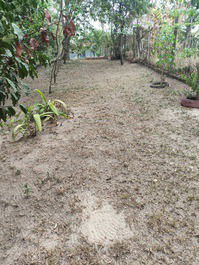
x=117, y=184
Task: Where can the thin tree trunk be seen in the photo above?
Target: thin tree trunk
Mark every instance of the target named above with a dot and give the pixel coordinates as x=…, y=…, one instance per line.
x=121, y=36
x=116, y=45
x=66, y=54
x=175, y=32
x=54, y=68
x=121, y=49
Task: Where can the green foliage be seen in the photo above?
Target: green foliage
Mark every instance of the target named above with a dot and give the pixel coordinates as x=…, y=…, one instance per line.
x=34, y=115
x=120, y=15
x=27, y=190
x=51, y=109
x=192, y=80
x=189, y=52
x=192, y=75
x=164, y=47
x=20, y=22
x=94, y=40
x=99, y=39
x=27, y=125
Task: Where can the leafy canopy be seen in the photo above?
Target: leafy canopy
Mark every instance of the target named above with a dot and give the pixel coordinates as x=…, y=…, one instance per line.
x=22, y=47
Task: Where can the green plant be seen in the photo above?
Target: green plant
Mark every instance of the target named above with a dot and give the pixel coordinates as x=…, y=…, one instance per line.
x=29, y=124
x=165, y=50
x=35, y=115
x=188, y=52
x=51, y=109
x=27, y=190
x=193, y=81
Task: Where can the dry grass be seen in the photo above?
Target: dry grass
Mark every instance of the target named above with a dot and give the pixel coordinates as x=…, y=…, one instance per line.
x=130, y=146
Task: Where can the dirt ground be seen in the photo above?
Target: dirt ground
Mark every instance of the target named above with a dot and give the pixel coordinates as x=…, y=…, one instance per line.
x=117, y=184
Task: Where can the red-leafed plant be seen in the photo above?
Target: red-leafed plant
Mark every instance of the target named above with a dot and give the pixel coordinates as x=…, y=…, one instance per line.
x=69, y=29
x=19, y=49
x=44, y=35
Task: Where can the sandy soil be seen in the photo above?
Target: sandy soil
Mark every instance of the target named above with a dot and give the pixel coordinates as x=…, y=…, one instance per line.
x=117, y=184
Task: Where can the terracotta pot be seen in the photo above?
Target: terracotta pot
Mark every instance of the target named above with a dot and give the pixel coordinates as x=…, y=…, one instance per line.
x=159, y=84
x=190, y=102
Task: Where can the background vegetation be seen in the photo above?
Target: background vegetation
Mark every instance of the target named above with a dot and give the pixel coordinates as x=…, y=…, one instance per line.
x=40, y=32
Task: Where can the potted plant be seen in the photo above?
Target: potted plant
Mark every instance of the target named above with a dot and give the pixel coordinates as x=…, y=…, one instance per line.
x=192, y=101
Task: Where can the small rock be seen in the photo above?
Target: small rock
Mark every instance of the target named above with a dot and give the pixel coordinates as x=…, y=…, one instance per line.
x=126, y=164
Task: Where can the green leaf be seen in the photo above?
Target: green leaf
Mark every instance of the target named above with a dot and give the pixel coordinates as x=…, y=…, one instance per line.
x=26, y=88
x=11, y=111
x=18, y=31
x=17, y=130
x=37, y=119
x=30, y=108
x=45, y=114
x=24, y=64
x=8, y=53
x=54, y=109
x=12, y=84
x=42, y=96
x=8, y=39
x=62, y=103
x=23, y=108
x=15, y=98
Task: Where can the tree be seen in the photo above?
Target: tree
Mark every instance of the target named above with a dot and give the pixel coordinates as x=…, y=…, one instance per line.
x=75, y=13
x=192, y=19
x=164, y=48
x=119, y=14
x=97, y=41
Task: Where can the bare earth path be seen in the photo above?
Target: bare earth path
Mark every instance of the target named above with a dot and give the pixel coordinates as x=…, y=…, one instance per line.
x=118, y=184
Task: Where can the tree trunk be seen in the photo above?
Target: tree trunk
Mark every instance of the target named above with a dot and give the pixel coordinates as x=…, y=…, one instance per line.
x=121, y=36
x=121, y=49
x=66, y=50
x=175, y=32
x=116, y=46
x=138, y=41
x=54, y=68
